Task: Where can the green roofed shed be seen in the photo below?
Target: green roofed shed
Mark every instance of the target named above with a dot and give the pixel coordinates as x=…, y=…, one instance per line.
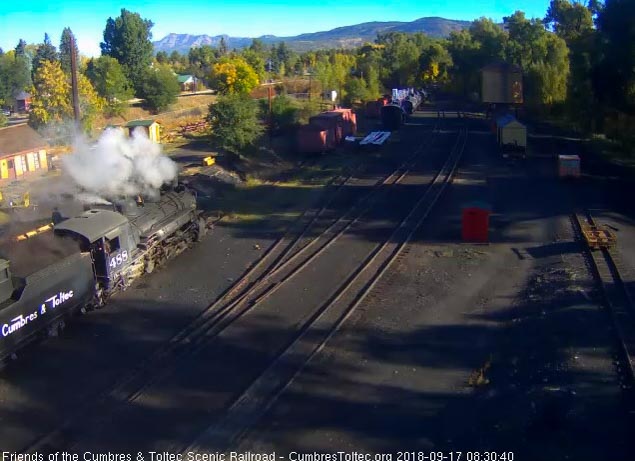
x=135, y=123
x=151, y=128
x=187, y=82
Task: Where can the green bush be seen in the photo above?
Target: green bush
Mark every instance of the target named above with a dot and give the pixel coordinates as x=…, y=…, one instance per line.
x=307, y=109
x=234, y=122
x=110, y=82
x=159, y=87
x=284, y=112
x=355, y=91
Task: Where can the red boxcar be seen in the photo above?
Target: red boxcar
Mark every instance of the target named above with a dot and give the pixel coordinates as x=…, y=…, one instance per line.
x=331, y=121
x=312, y=139
x=350, y=121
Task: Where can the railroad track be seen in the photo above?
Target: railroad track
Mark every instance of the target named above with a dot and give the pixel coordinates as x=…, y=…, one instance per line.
x=258, y=398
x=282, y=261
x=607, y=269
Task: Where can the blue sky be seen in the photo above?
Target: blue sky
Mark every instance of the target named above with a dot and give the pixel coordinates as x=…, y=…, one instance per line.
x=29, y=19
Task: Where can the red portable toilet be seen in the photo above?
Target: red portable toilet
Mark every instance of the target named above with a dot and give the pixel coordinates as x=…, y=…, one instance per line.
x=475, y=222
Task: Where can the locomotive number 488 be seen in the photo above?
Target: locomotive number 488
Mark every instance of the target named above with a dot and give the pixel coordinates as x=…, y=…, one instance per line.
x=118, y=259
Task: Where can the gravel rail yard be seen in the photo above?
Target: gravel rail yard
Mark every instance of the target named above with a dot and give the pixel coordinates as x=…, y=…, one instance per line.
x=364, y=325
x=499, y=348
x=222, y=351
x=353, y=195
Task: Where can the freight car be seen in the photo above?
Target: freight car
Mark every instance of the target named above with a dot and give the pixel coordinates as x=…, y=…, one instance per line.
x=392, y=116
x=87, y=259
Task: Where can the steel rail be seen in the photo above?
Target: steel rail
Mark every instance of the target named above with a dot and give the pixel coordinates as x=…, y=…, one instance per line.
x=209, y=323
x=270, y=282
x=254, y=402
x=617, y=299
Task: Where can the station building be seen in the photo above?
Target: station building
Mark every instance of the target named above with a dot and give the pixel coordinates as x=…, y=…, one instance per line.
x=22, y=152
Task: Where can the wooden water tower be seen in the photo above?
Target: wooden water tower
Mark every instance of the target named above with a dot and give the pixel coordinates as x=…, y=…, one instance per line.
x=502, y=84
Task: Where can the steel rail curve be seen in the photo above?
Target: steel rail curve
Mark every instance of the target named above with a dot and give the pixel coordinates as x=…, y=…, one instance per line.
x=252, y=286
x=326, y=321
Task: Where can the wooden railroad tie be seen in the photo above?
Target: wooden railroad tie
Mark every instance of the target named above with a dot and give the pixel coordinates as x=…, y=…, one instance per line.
x=598, y=237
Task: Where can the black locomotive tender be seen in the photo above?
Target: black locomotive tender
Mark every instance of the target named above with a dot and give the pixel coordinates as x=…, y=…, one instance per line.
x=88, y=258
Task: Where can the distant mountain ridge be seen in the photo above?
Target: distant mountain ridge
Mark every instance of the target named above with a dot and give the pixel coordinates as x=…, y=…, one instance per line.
x=340, y=37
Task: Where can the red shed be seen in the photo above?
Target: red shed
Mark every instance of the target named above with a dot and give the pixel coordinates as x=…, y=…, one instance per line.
x=23, y=102
x=312, y=139
x=475, y=222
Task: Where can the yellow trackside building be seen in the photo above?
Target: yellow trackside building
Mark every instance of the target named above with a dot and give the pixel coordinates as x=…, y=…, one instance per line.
x=22, y=152
x=151, y=128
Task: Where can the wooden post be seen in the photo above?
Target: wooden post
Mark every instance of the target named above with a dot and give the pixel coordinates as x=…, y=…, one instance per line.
x=74, y=84
x=270, y=94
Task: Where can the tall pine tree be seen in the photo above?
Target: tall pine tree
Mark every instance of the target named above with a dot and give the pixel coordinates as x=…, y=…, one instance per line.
x=66, y=49
x=21, y=71
x=127, y=38
x=46, y=51
x=20, y=49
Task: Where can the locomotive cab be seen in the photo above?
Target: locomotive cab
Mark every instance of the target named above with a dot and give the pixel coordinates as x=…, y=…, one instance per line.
x=110, y=239
x=141, y=235
x=112, y=253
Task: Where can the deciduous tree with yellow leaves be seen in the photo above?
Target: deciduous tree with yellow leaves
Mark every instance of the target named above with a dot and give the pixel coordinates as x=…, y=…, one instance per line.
x=435, y=62
x=90, y=103
x=51, y=97
x=233, y=76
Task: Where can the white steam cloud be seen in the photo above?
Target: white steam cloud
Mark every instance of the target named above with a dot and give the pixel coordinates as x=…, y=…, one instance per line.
x=118, y=165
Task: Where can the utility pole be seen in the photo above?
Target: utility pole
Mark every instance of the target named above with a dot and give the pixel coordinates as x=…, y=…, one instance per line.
x=310, y=74
x=270, y=94
x=74, y=84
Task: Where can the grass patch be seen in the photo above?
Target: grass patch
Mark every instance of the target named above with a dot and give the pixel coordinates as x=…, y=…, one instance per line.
x=278, y=202
x=271, y=204
x=276, y=188
x=185, y=106
x=299, y=182
x=254, y=218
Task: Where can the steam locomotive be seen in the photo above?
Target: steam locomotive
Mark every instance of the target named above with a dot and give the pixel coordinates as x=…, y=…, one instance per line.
x=89, y=257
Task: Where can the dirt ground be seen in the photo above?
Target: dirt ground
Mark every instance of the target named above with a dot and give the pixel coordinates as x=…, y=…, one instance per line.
x=195, y=105
x=501, y=347
x=55, y=377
